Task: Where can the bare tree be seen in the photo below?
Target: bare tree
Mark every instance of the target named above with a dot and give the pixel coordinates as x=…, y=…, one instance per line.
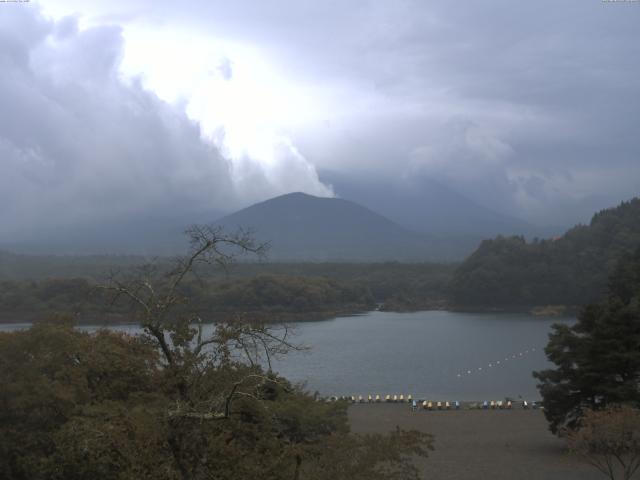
x=161, y=306
x=609, y=440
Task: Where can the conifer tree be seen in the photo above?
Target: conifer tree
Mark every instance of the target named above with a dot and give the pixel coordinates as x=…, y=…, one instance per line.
x=597, y=359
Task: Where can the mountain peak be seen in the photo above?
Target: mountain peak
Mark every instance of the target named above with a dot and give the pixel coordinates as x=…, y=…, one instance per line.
x=300, y=226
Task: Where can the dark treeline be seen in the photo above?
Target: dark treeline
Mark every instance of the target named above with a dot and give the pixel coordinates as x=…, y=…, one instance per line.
x=287, y=297
x=282, y=291
x=398, y=286
x=570, y=270
x=268, y=296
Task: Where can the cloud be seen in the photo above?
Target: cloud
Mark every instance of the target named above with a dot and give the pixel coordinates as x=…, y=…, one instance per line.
x=548, y=84
x=78, y=144
x=460, y=150
x=255, y=180
x=527, y=108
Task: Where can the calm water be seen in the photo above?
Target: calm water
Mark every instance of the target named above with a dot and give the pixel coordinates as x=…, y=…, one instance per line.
x=437, y=355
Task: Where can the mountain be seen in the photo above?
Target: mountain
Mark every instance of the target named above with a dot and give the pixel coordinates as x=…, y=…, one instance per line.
x=427, y=206
x=570, y=270
x=303, y=227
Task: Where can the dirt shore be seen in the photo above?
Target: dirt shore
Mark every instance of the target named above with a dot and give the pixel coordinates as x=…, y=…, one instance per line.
x=478, y=444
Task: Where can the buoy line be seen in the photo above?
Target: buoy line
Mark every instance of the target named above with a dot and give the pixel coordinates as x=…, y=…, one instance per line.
x=496, y=363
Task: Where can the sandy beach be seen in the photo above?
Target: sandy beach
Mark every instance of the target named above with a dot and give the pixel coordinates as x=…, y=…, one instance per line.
x=478, y=444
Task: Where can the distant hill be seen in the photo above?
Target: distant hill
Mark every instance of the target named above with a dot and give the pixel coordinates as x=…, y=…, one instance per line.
x=570, y=270
x=429, y=207
x=303, y=227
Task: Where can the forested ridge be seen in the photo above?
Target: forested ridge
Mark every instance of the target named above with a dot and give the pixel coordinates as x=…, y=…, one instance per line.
x=286, y=291
x=267, y=296
x=569, y=270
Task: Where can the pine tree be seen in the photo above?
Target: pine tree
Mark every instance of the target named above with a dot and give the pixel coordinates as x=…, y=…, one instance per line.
x=598, y=358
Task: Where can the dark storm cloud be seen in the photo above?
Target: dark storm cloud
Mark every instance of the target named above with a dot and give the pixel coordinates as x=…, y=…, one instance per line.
x=554, y=83
x=527, y=107
x=78, y=145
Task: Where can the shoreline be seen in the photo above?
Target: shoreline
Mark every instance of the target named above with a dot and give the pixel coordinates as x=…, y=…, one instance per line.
x=97, y=320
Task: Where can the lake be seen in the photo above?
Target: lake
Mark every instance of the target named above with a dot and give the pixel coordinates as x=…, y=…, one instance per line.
x=434, y=354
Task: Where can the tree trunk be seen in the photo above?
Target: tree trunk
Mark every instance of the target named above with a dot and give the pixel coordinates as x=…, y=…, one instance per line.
x=296, y=473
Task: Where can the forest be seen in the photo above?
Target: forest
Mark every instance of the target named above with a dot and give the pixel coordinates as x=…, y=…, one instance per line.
x=296, y=291
x=569, y=270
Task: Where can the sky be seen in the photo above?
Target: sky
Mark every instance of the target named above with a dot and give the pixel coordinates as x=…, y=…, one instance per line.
x=118, y=109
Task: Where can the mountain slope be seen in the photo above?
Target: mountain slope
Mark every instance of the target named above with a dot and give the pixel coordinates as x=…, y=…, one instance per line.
x=303, y=227
x=571, y=269
x=426, y=206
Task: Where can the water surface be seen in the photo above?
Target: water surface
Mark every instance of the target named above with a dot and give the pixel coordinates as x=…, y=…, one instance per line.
x=435, y=354
x=438, y=355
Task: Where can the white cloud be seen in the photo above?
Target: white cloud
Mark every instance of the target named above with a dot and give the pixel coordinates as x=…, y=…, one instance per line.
x=379, y=89
x=79, y=144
